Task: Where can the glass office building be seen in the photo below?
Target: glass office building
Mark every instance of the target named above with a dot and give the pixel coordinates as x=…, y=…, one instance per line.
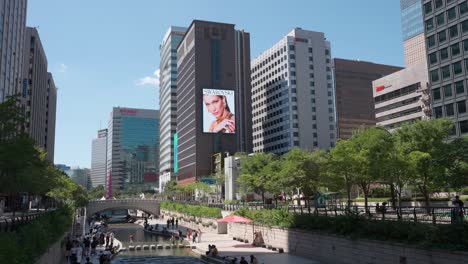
x=411, y=18
x=133, y=150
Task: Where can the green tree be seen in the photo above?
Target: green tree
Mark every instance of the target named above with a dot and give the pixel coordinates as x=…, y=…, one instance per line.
x=424, y=143
x=97, y=192
x=301, y=170
x=254, y=173
x=456, y=159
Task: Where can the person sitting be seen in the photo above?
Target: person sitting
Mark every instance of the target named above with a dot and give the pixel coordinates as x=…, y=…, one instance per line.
x=209, y=250
x=214, y=251
x=253, y=259
x=243, y=261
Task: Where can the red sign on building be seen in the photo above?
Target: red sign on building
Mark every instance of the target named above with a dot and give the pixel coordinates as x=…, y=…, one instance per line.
x=128, y=111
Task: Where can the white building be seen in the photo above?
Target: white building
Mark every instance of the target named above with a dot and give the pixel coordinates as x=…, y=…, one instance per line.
x=99, y=159
x=402, y=97
x=293, y=95
x=168, y=102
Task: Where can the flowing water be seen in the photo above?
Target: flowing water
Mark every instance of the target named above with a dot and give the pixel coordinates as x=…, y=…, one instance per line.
x=167, y=256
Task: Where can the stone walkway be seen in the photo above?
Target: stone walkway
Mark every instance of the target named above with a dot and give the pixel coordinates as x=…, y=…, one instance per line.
x=232, y=248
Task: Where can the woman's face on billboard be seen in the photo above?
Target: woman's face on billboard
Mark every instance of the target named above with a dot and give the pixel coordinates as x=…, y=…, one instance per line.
x=215, y=104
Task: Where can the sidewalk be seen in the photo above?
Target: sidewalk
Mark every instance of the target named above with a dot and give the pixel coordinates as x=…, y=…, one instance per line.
x=229, y=247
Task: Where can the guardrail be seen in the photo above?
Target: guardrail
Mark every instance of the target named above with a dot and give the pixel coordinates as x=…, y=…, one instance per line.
x=420, y=214
x=11, y=224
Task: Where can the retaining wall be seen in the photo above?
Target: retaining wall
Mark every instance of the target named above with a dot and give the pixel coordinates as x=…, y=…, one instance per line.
x=334, y=249
x=55, y=253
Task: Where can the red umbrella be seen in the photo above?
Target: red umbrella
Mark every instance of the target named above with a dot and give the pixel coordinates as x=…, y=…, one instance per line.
x=234, y=219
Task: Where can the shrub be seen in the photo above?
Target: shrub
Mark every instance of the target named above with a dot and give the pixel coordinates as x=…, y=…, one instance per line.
x=31, y=240
x=192, y=210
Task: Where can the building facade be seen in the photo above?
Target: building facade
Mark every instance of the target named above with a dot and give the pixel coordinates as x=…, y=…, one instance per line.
x=99, y=159
x=132, y=150
x=412, y=25
x=12, y=39
x=39, y=94
x=81, y=176
x=402, y=97
x=354, y=97
x=213, y=97
x=168, y=102
x=292, y=94
x=446, y=31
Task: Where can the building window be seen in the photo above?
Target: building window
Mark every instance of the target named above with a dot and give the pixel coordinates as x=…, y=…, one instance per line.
x=428, y=8
x=293, y=73
x=457, y=68
x=448, y=90
x=436, y=94
x=463, y=8
x=311, y=58
x=291, y=47
x=312, y=84
x=445, y=72
x=451, y=14
x=438, y=4
x=431, y=41
x=464, y=26
x=433, y=58
x=311, y=67
x=310, y=50
x=291, y=56
x=438, y=112
x=429, y=24
x=442, y=36
x=444, y=54
x=311, y=75
x=459, y=87
x=440, y=19
x=449, y=110
x=434, y=76
x=453, y=31
x=463, y=127
x=461, y=106
x=455, y=49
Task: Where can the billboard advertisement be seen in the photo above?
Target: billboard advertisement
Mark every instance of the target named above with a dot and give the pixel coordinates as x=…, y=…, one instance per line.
x=218, y=111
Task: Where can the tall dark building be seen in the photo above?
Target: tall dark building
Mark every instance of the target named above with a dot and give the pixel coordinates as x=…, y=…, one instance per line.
x=12, y=37
x=354, y=98
x=446, y=32
x=39, y=94
x=213, y=97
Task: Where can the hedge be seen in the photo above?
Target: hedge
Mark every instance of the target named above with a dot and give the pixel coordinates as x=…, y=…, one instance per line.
x=32, y=240
x=448, y=236
x=192, y=210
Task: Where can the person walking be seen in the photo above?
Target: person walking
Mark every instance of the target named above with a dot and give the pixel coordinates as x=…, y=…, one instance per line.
x=131, y=239
x=177, y=223
x=189, y=233
x=199, y=233
x=194, y=236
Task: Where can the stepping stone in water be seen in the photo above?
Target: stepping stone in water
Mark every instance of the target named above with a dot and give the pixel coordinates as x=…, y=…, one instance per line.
x=153, y=246
x=145, y=247
x=160, y=246
x=138, y=247
x=131, y=248
x=167, y=246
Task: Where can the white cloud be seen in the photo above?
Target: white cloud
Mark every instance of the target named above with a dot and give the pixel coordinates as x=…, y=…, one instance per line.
x=149, y=80
x=63, y=67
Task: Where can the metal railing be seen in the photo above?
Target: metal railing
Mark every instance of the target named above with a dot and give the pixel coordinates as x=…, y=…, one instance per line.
x=11, y=224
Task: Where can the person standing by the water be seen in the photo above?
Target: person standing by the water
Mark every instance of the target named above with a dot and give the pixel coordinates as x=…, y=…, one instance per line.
x=131, y=238
x=199, y=233
x=189, y=233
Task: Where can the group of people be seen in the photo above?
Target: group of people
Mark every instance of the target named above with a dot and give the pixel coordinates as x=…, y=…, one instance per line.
x=171, y=221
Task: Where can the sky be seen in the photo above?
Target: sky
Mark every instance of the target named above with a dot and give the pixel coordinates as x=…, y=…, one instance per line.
x=105, y=53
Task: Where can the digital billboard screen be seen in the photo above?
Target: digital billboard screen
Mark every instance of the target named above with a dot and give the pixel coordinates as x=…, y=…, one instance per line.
x=218, y=111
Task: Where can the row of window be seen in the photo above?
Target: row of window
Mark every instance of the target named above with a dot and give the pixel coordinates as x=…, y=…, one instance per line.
x=397, y=93
x=447, y=90
x=448, y=71
x=443, y=54
x=442, y=36
x=438, y=4
x=450, y=109
x=443, y=18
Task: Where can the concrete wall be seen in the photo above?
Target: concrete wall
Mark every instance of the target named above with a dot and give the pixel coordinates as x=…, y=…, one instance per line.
x=333, y=249
x=193, y=224
x=55, y=254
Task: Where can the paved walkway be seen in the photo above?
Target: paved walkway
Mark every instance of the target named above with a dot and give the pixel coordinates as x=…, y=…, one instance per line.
x=229, y=247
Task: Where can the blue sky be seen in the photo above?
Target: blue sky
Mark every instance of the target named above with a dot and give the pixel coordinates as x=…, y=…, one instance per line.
x=105, y=53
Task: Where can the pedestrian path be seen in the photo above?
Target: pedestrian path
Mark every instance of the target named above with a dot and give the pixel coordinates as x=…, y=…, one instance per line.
x=232, y=248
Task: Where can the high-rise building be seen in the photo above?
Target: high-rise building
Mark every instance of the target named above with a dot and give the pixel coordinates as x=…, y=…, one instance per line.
x=402, y=97
x=446, y=31
x=354, y=98
x=65, y=168
x=168, y=102
x=132, y=149
x=99, y=159
x=12, y=39
x=51, y=117
x=81, y=176
x=213, y=97
x=292, y=94
x=39, y=94
x=412, y=25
